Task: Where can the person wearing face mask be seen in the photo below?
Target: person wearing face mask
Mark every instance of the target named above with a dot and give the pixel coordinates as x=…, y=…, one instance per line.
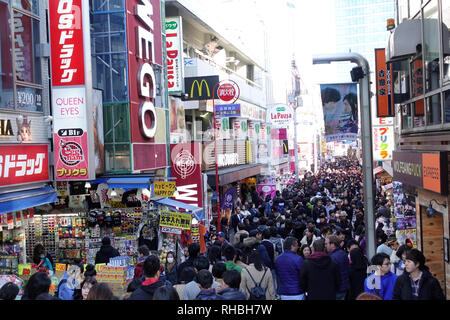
x=170, y=269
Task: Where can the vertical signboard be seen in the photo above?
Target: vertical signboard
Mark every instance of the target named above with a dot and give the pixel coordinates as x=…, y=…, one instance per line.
x=383, y=139
x=174, y=43
x=70, y=56
x=144, y=46
x=385, y=102
x=186, y=160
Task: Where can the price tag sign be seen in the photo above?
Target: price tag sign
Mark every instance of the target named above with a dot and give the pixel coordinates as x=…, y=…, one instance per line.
x=24, y=269
x=60, y=267
x=164, y=189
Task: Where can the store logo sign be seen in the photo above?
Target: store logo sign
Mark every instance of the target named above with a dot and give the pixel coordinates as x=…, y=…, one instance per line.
x=71, y=153
x=6, y=128
x=200, y=88
x=184, y=164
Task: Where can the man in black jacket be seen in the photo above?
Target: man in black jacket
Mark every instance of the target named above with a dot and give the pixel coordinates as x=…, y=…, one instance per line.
x=319, y=275
x=151, y=282
x=194, y=250
x=106, y=252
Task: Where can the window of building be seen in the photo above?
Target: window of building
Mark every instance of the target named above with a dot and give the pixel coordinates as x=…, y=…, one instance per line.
x=419, y=114
x=406, y=116
x=446, y=22
x=447, y=106
x=414, y=7
x=6, y=70
x=27, y=5
x=434, y=109
x=431, y=45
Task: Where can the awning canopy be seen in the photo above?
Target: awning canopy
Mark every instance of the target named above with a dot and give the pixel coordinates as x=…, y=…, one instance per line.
x=198, y=212
x=229, y=175
x=377, y=170
x=129, y=183
x=21, y=200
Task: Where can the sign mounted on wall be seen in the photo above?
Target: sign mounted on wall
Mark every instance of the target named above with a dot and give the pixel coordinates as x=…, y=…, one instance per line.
x=385, y=101
x=383, y=139
x=71, y=91
x=174, y=43
x=280, y=116
x=200, y=88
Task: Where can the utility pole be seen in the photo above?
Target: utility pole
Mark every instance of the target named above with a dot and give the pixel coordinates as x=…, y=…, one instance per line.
x=363, y=76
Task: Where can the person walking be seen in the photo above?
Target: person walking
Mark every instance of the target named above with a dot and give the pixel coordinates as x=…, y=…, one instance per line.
x=382, y=281
x=232, y=281
x=319, y=276
x=152, y=272
x=332, y=245
x=194, y=251
x=417, y=282
x=205, y=281
x=288, y=266
x=357, y=272
x=257, y=275
x=143, y=253
x=106, y=252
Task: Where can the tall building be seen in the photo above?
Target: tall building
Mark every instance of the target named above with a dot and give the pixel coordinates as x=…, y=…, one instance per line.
x=360, y=28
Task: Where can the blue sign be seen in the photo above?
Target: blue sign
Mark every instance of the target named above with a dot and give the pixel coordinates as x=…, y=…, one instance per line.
x=228, y=110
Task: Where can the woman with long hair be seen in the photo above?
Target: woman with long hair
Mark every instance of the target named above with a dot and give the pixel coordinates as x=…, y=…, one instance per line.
x=256, y=274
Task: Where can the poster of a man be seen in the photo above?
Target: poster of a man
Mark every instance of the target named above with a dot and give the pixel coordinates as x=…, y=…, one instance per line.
x=340, y=111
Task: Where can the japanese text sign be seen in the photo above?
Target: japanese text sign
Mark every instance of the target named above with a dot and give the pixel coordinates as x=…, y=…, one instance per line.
x=228, y=110
x=383, y=139
x=66, y=41
x=23, y=164
x=385, y=103
x=175, y=220
x=163, y=189
x=174, y=42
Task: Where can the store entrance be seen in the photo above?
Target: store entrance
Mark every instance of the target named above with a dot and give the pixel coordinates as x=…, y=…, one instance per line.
x=432, y=245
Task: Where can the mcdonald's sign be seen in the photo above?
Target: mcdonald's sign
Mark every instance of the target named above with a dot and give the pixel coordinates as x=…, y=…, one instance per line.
x=200, y=88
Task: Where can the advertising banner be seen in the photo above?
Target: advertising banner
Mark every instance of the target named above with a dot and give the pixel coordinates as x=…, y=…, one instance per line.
x=175, y=220
x=280, y=116
x=385, y=101
x=24, y=163
x=267, y=189
x=177, y=121
x=382, y=140
x=66, y=42
x=228, y=199
x=228, y=110
x=340, y=111
x=174, y=43
x=163, y=189
x=22, y=128
x=240, y=128
x=186, y=160
x=223, y=128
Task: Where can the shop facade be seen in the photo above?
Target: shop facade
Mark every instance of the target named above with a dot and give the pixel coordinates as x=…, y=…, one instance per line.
x=420, y=162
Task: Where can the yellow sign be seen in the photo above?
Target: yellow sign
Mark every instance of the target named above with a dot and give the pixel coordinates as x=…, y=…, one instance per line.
x=199, y=88
x=175, y=220
x=163, y=189
x=24, y=269
x=60, y=267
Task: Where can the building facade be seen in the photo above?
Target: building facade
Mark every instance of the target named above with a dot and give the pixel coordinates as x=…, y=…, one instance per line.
x=419, y=46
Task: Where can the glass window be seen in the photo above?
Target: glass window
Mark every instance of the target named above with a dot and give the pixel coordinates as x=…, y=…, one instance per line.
x=406, y=116
x=447, y=106
x=446, y=40
x=29, y=99
x=102, y=75
x=417, y=77
x=414, y=7
x=118, y=76
x=26, y=34
x=6, y=70
x=99, y=23
x=121, y=127
x=29, y=5
x=100, y=44
x=434, y=109
x=122, y=157
x=117, y=22
x=431, y=45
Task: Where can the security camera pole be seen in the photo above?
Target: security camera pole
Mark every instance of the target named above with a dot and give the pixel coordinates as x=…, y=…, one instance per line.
x=366, y=131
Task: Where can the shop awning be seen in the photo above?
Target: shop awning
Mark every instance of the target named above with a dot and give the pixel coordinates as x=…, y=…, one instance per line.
x=21, y=200
x=198, y=212
x=377, y=170
x=229, y=175
x=129, y=183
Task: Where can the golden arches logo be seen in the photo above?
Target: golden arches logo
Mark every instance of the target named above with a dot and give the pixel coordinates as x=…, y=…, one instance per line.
x=199, y=88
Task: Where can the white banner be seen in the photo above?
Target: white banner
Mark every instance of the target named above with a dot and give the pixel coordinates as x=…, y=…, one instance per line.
x=280, y=116
x=174, y=42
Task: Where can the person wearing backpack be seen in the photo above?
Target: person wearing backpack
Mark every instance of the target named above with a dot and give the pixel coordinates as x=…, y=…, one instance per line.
x=256, y=279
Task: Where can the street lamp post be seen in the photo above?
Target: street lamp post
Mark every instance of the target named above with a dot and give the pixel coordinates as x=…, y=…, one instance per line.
x=366, y=124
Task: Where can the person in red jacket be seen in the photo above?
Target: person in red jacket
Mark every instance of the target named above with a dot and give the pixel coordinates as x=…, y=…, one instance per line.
x=143, y=253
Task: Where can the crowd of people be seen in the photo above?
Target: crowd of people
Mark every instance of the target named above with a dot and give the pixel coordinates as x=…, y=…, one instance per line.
x=305, y=243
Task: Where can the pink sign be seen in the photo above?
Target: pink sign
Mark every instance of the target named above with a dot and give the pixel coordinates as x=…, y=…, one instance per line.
x=71, y=161
x=267, y=189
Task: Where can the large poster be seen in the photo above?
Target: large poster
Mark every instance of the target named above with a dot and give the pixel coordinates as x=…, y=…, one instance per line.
x=340, y=111
x=178, y=131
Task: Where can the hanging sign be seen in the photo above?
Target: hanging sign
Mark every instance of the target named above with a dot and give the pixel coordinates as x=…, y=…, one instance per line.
x=164, y=189
x=385, y=102
x=175, y=220
x=174, y=43
x=280, y=116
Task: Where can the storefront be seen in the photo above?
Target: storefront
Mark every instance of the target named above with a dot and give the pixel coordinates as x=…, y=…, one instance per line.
x=421, y=204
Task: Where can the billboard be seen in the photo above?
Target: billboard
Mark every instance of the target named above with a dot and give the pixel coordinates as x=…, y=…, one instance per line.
x=174, y=44
x=340, y=111
x=73, y=139
x=382, y=139
x=280, y=116
x=385, y=97
x=186, y=161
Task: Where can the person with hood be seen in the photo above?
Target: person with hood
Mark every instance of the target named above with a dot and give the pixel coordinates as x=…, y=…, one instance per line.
x=319, y=276
x=71, y=281
x=416, y=282
x=382, y=281
x=106, y=252
x=357, y=273
x=232, y=281
x=152, y=270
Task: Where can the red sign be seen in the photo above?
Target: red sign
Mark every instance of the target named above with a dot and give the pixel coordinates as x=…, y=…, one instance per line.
x=23, y=163
x=228, y=90
x=385, y=95
x=186, y=160
x=66, y=41
x=144, y=45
